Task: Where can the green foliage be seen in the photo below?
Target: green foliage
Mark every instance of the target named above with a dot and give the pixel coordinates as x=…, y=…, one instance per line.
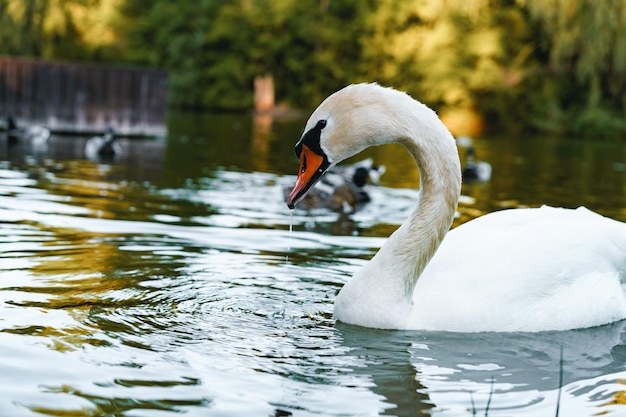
x=173, y=35
x=214, y=49
x=555, y=66
x=59, y=29
x=21, y=25
x=581, y=48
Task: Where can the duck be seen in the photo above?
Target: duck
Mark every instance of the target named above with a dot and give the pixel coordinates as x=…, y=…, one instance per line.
x=515, y=270
x=103, y=147
x=358, y=175
x=13, y=133
x=343, y=188
x=475, y=170
x=36, y=135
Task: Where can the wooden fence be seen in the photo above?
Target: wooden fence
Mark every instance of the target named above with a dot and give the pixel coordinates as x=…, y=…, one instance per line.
x=83, y=98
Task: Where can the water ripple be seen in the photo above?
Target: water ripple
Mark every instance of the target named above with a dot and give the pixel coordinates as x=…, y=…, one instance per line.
x=126, y=296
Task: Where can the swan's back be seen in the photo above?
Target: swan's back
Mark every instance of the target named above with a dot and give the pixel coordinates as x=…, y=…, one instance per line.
x=526, y=270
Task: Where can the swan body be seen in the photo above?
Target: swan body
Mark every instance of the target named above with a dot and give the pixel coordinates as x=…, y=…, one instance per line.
x=514, y=270
x=525, y=270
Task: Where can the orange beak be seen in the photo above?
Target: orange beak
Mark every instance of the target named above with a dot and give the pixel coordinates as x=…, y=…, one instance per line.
x=312, y=166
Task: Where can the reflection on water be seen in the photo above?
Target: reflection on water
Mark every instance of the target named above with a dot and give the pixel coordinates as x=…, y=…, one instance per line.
x=168, y=282
x=454, y=372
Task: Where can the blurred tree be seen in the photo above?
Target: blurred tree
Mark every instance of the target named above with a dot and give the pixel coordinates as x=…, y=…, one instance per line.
x=59, y=29
x=213, y=49
x=529, y=64
x=309, y=46
x=458, y=56
x=582, y=44
x=172, y=35
x=21, y=26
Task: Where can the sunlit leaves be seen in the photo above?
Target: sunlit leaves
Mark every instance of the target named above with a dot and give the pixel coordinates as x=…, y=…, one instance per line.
x=560, y=64
x=60, y=29
x=585, y=42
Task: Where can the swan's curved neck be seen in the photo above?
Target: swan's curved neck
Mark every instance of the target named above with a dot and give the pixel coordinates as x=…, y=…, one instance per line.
x=421, y=234
x=384, y=287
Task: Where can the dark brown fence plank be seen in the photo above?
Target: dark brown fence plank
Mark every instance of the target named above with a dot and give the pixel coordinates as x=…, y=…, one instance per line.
x=83, y=98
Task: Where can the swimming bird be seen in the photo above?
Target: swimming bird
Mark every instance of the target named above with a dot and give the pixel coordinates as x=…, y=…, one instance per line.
x=514, y=270
x=475, y=170
x=358, y=175
x=13, y=133
x=343, y=188
x=103, y=147
x=36, y=135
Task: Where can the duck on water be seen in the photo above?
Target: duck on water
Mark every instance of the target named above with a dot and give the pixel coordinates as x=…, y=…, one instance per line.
x=35, y=135
x=343, y=188
x=103, y=147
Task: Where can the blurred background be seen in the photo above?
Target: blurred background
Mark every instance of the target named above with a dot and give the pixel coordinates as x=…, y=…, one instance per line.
x=150, y=266
x=484, y=65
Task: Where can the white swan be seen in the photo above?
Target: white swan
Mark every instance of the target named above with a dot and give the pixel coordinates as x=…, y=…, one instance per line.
x=514, y=270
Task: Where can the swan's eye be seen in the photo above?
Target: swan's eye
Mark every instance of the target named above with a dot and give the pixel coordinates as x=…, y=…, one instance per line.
x=321, y=124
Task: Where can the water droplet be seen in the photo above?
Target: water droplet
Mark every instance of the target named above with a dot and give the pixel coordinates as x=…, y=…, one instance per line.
x=290, y=220
x=290, y=231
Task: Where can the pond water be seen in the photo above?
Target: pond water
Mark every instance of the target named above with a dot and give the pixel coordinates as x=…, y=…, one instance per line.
x=167, y=283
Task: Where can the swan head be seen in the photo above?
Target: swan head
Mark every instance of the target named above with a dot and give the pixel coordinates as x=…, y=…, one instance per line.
x=344, y=124
x=348, y=121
